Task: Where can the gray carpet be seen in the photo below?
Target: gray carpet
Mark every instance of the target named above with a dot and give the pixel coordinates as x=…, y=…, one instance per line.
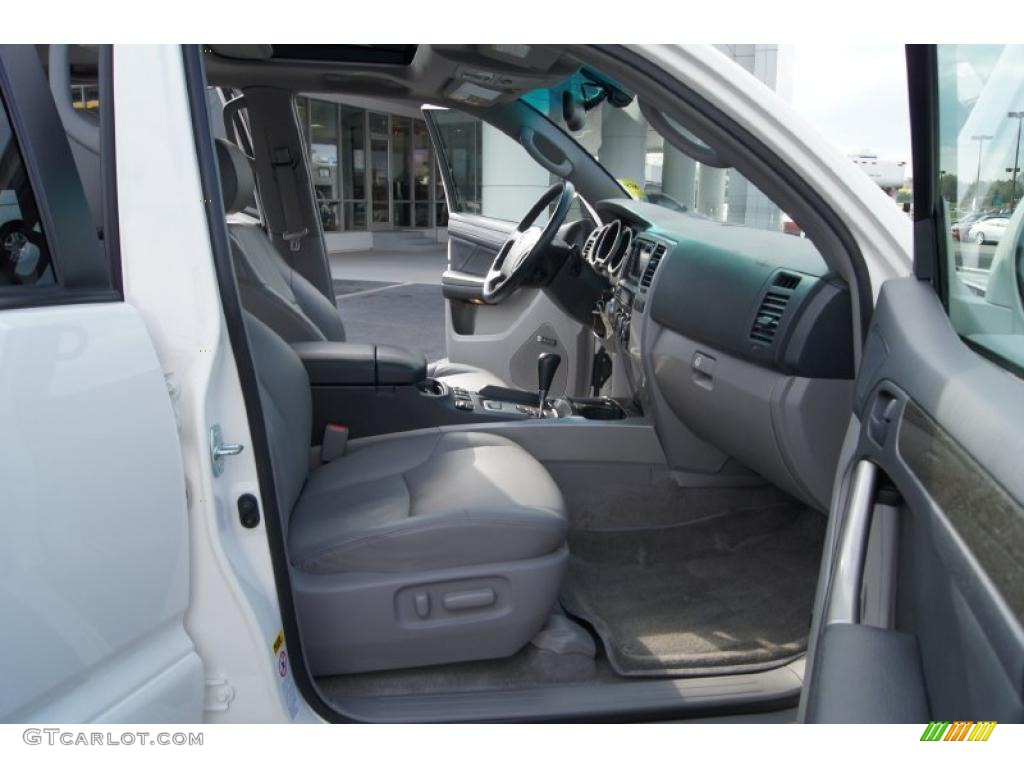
x=727, y=593
x=623, y=497
x=530, y=667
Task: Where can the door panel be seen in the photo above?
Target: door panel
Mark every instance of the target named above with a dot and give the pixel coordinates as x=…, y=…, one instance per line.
x=943, y=429
x=489, y=179
x=926, y=538
x=94, y=555
x=956, y=591
x=473, y=243
x=95, y=546
x=505, y=338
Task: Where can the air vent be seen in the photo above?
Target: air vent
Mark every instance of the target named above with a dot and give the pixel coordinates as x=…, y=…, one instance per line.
x=786, y=280
x=768, y=318
x=648, y=276
x=588, y=245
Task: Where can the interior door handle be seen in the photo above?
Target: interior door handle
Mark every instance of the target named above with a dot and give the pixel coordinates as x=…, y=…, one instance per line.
x=848, y=572
x=881, y=416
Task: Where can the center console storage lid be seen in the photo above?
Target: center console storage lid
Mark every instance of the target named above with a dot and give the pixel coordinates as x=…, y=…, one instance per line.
x=343, y=363
x=400, y=366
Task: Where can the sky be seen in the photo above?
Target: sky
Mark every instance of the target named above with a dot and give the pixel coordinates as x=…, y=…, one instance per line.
x=855, y=95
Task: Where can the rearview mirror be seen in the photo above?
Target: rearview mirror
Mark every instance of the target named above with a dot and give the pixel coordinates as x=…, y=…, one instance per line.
x=573, y=112
x=608, y=89
x=594, y=89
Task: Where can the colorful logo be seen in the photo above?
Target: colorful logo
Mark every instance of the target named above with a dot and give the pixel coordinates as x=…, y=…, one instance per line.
x=961, y=730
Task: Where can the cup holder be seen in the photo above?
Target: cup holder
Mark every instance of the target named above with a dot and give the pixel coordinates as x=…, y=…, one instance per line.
x=432, y=388
x=598, y=408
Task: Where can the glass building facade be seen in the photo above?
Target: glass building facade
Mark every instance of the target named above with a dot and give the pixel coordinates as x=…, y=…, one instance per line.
x=372, y=171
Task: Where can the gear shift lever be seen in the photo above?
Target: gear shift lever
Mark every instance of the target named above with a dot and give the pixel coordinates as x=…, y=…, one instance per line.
x=547, y=367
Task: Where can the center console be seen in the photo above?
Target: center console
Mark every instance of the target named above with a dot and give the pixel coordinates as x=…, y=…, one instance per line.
x=374, y=389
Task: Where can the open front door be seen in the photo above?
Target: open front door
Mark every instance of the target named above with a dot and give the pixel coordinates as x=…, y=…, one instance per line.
x=94, y=549
x=921, y=602
x=490, y=182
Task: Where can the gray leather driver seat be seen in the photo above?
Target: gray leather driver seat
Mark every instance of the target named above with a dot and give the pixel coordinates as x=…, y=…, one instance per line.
x=410, y=549
x=282, y=298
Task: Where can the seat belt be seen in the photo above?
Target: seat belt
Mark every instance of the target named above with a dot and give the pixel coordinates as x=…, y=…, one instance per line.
x=284, y=176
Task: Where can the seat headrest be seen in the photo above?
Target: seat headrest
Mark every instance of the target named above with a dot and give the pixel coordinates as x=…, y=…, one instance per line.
x=236, y=180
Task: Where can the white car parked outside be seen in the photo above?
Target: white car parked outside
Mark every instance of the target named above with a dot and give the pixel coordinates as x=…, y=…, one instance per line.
x=990, y=230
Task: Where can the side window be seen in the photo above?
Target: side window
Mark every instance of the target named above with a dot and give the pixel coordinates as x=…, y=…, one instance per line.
x=462, y=139
x=981, y=112
x=24, y=254
x=491, y=173
x=58, y=242
x=86, y=97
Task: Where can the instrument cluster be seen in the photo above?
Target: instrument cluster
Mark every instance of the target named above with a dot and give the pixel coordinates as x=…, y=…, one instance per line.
x=607, y=249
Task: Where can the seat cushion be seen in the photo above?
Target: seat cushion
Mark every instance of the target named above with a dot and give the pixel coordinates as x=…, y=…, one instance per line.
x=426, y=501
x=463, y=376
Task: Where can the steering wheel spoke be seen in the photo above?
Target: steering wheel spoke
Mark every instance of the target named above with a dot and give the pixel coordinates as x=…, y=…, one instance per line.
x=526, y=245
x=494, y=279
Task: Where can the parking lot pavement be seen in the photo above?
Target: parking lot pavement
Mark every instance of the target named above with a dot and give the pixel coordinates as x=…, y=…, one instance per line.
x=407, y=315
x=393, y=296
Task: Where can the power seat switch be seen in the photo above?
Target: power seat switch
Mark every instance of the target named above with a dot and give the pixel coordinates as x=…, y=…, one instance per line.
x=248, y=510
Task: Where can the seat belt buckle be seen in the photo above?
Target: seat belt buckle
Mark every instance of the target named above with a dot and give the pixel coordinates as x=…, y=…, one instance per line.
x=334, y=442
x=294, y=239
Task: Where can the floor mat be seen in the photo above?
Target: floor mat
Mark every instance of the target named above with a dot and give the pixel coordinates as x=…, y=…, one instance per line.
x=728, y=593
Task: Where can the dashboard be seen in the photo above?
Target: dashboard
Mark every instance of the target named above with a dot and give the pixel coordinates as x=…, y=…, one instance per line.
x=766, y=296
x=738, y=337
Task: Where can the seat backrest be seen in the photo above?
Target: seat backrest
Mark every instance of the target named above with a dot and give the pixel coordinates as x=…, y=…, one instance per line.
x=287, y=411
x=270, y=289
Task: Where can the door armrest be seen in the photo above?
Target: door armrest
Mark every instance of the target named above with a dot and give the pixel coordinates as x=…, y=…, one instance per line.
x=866, y=674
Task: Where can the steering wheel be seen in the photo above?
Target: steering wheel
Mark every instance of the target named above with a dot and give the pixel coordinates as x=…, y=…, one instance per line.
x=22, y=259
x=522, y=251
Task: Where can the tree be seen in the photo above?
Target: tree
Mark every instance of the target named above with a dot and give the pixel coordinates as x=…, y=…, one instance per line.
x=992, y=195
x=999, y=195
x=948, y=187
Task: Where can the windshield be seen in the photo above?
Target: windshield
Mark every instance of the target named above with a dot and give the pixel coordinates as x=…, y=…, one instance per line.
x=649, y=168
